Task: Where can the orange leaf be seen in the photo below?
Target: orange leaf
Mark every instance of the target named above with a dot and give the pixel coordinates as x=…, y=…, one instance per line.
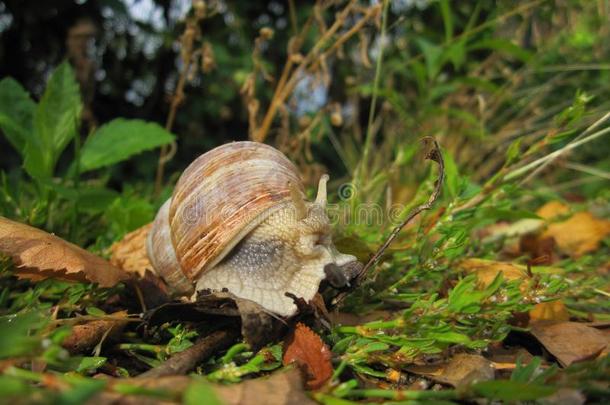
x=306, y=348
x=552, y=209
x=487, y=270
x=580, y=234
x=38, y=255
x=130, y=254
x=549, y=311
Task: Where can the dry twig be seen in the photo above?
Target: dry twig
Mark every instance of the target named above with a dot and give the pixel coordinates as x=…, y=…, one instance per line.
x=187, y=360
x=191, y=55
x=435, y=155
x=329, y=43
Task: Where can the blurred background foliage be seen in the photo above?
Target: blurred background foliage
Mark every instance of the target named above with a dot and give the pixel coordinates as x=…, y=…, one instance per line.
x=483, y=77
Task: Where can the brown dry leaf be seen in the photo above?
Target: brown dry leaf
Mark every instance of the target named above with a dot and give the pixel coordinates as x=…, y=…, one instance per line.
x=569, y=342
x=130, y=254
x=549, y=311
x=38, y=255
x=580, y=234
x=306, y=348
x=552, y=209
x=505, y=357
x=487, y=270
x=87, y=335
x=281, y=388
x=462, y=369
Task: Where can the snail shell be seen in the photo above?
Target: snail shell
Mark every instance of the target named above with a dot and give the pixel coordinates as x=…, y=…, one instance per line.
x=237, y=220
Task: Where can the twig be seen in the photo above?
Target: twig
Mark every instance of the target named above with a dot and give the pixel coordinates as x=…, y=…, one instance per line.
x=551, y=156
x=188, y=55
x=297, y=64
x=435, y=155
x=185, y=361
x=571, y=145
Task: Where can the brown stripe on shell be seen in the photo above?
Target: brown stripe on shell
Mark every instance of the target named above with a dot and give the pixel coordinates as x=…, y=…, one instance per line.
x=162, y=256
x=221, y=196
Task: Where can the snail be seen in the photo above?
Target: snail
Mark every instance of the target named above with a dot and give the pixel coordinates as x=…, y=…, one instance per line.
x=238, y=221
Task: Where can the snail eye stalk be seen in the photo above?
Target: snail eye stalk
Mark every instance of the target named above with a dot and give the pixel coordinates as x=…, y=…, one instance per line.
x=321, y=197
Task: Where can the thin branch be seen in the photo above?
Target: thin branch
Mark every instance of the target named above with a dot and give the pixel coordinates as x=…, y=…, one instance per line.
x=547, y=160
x=435, y=155
x=297, y=64
x=185, y=361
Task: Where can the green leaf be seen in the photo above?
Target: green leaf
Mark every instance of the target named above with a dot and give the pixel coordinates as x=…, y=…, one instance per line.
x=456, y=53
x=128, y=213
x=447, y=19
x=433, y=55
x=56, y=122
x=12, y=386
x=200, y=392
x=502, y=46
x=16, y=113
x=513, y=151
x=16, y=334
x=452, y=182
x=506, y=390
x=95, y=311
x=449, y=337
x=120, y=139
x=506, y=214
x=90, y=364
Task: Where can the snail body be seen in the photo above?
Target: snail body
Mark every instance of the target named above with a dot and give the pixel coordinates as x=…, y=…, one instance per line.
x=238, y=221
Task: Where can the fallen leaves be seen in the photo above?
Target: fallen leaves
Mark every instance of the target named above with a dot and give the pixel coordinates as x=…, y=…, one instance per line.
x=130, y=254
x=487, y=270
x=88, y=335
x=569, y=342
x=38, y=255
x=306, y=348
x=281, y=388
x=549, y=311
x=570, y=234
x=582, y=233
x=462, y=369
x=553, y=209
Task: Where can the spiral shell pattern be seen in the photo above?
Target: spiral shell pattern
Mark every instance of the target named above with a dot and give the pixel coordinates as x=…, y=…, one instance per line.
x=223, y=195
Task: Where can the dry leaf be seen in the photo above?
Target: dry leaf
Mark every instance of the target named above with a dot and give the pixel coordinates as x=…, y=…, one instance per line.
x=541, y=249
x=130, y=254
x=462, y=369
x=306, y=348
x=580, y=234
x=549, y=311
x=487, y=270
x=505, y=357
x=552, y=209
x=281, y=388
x=38, y=255
x=564, y=396
x=87, y=335
x=569, y=342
